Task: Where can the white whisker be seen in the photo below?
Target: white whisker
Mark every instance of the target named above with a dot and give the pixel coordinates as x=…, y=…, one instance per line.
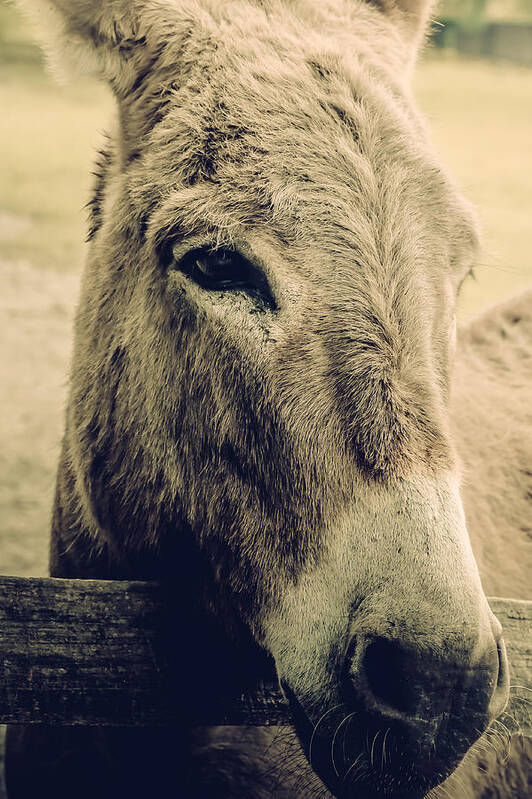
x=352, y=766
x=383, y=755
x=322, y=718
x=347, y=718
x=373, y=747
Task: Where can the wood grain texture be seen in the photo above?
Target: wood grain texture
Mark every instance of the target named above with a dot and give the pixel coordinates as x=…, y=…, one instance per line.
x=95, y=652
x=516, y=618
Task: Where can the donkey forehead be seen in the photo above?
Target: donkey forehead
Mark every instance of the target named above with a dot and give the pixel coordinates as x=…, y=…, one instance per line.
x=308, y=144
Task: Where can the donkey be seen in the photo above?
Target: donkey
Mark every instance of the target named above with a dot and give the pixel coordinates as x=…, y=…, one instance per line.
x=259, y=398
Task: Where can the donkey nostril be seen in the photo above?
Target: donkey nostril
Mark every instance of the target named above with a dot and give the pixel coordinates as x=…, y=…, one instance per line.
x=387, y=673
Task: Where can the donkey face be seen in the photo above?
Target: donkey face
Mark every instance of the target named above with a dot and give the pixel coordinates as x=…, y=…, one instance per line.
x=262, y=359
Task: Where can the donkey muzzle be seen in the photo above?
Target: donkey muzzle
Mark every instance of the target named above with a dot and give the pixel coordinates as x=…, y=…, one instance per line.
x=405, y=715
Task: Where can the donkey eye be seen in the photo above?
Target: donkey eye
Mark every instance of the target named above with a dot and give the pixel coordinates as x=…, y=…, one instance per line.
x=221, y=269
x=226, y=270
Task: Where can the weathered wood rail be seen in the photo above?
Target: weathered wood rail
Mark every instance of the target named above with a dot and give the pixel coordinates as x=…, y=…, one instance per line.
x=94, y=652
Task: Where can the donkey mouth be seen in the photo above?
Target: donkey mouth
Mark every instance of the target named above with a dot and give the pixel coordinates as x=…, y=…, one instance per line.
x=355, y=755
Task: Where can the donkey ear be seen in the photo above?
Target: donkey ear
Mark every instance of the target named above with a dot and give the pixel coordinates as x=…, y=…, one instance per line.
x=410, y=16
x=105, y=37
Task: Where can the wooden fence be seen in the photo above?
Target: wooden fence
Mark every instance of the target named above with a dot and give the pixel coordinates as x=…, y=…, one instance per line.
x=94, y=652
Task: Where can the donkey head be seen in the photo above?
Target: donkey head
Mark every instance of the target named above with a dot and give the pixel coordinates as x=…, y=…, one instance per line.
x=262, y=360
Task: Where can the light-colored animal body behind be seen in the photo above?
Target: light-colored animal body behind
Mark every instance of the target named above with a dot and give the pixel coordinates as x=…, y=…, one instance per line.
x=492, y=415
x=260, y=392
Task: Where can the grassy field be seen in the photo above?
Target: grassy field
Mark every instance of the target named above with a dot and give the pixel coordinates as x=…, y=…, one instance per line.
x=481, y=117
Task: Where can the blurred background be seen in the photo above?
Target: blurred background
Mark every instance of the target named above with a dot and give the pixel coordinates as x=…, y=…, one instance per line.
x=474, y=84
